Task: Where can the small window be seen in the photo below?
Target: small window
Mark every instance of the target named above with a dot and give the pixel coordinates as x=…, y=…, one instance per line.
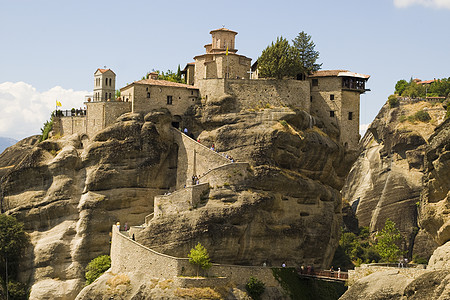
x=350, y=115
x=146, y=89
x=148, y=95
x=315, y=82
x=169, y=99
x=192, y=92
x=332, y=113
x=310, y=98
x=106, y=96
x=331, y=97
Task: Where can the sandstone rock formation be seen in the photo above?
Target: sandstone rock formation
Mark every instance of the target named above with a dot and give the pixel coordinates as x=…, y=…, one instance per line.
x=386, y=180
x=69, y=192
x=435, y=198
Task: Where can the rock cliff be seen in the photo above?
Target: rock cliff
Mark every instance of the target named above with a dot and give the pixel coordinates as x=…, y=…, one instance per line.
x=406, y=154
x=68, y=192
x=386, y=180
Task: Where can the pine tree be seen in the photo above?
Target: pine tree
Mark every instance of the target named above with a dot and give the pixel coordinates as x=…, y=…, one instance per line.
x=305, y=54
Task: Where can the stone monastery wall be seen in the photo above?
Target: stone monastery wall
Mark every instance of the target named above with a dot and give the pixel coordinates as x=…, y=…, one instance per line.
x=130, y=256
x=194, y=159
x=179, y=201
x=257, y=93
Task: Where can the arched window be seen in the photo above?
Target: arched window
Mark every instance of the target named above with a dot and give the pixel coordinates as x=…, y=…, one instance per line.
x=106, y=96
x=110, y=81
x=109, y=96
x=148, y=94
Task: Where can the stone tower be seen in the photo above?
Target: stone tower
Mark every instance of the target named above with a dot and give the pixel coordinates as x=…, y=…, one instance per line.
x=221, y=60
x=104, y=85
x=335, y=96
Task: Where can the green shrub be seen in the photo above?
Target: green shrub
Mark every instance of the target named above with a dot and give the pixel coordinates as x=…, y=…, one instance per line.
x=402, y=118
x=255, y=287
x=422, y=116
x=48, y=126
x=284, y=123
x=393, y=101
x=447, y=115
x=419, y=260
x=17, y=290
x=97, y=267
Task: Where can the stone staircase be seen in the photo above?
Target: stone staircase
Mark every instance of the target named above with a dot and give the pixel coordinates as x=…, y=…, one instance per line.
x=212, y=169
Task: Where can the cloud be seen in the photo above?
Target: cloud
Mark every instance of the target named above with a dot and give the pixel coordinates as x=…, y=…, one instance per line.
x=24, y=110
x=426, y=3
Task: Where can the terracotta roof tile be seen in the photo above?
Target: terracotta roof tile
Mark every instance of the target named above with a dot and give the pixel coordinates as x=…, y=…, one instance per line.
x=326, y=73
x=164, y=83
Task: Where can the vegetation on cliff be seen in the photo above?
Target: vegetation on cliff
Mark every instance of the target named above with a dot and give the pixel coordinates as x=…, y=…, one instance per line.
x=48, y=126
x=306, y=288
x=13, y=241
x=437, y=88
x=97, y=267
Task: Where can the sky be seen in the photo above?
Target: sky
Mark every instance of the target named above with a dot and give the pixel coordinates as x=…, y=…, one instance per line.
x=50, y=49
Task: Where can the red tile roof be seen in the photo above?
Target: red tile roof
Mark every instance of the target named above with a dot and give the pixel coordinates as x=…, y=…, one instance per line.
x=223, y=29
x=426, y=81
x=336, y=73
x=327, y=73
x=164, y=83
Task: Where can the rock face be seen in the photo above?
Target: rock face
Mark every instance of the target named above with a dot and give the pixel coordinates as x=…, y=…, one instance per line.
x=386, y=180
x=296, y=172
x=68, y=197
x=435, y=198
x=68, y=192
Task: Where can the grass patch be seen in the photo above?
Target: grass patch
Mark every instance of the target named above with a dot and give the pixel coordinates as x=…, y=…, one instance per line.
x=307, y=288
x=198, y=293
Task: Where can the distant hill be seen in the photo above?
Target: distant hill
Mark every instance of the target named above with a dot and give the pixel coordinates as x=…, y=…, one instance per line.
x=5, y=143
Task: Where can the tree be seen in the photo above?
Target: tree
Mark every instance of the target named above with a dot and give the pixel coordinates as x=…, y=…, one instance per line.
x=48, y=126
x=400, y=86
x=305, y=54
x=255, y=288
x=199, y=256
x=278, y=60
x=13, y=241
x=117, y=94
x=387, y=242
x=97, y=267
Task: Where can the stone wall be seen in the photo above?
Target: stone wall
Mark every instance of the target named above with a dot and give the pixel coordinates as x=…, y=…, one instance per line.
x=130, y=256
x=365, y=270
x=146, y=97
x=259, y=93
x=71, y=125
x=229, y=174
x=180, y=200
x=194, y=159
x=101, y=114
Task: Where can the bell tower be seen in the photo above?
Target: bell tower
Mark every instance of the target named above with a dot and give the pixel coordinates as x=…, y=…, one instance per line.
x=104, y=85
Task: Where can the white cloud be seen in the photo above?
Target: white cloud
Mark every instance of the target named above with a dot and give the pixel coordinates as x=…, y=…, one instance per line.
x=363, y=129
x=23, y=110
x=426, y=3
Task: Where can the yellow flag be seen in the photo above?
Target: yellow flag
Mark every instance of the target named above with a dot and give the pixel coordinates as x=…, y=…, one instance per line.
x=58, y=103
x=227, y=51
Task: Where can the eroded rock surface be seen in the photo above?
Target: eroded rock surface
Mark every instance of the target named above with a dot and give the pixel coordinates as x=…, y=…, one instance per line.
x=386, y=180
x=69, y=193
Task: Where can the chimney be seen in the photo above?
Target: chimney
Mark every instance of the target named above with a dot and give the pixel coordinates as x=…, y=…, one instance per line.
x=152, y=75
